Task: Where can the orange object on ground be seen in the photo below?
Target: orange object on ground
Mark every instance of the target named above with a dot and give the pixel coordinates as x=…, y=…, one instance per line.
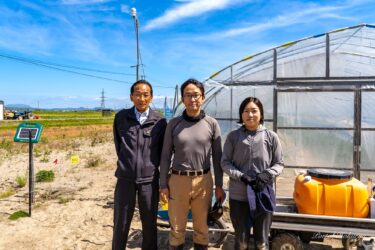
x=331, y=192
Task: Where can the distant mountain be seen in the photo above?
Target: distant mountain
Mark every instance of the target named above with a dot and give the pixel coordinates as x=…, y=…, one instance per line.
x=69, y=109
x=22, y=107
x=18, y=106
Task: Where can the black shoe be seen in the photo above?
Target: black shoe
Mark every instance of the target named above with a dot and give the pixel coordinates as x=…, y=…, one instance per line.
x=200, y=247
x=179, y=247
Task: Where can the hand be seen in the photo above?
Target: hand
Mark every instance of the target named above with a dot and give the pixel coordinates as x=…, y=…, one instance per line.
x=265, y=177
x=164, y=194
x=258, y=186
x=247, y=179
x=261, y=181
x=219, y=194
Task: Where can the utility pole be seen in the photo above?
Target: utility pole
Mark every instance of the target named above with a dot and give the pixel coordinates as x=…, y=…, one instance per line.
x=135, y=18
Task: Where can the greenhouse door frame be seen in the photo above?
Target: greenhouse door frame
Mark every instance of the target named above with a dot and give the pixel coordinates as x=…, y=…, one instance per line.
x=356, y=120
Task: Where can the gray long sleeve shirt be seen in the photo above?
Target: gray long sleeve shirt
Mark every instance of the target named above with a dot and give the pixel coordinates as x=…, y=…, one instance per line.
x=191, y=143
x=251, y=153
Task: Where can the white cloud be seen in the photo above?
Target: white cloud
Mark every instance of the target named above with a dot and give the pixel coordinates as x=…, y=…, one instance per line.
x=306, y=16
x=26, y=38
x=188, y=9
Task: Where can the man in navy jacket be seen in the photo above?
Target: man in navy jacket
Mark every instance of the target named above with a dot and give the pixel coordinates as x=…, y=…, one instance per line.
x=138, y=137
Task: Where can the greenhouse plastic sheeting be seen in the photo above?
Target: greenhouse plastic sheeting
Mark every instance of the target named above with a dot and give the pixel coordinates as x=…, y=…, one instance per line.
x=316, y=109
x=368, y=110
x=304, y=59
x=317, y=148
x=324, y=114
x=351, y=53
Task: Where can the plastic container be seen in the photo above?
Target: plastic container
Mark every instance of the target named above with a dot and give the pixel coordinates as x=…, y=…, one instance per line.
x=331, y=192
x=163, y=205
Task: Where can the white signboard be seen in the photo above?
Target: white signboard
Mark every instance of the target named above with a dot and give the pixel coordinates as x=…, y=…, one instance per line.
x=1, y=110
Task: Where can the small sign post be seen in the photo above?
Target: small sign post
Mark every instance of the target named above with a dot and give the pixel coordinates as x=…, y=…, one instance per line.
x=29, y=132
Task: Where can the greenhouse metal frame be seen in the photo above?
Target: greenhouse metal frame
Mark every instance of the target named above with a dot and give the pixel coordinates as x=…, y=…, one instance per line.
x=336, y=69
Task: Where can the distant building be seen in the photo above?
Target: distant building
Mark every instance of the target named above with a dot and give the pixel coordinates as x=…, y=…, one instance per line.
x=106, y=112
x=1, y=110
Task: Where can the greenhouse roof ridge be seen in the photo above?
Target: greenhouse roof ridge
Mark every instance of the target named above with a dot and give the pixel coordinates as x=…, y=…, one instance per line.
x=284, y=45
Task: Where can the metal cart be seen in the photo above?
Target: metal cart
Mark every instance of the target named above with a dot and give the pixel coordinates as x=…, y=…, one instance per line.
x=290, y=230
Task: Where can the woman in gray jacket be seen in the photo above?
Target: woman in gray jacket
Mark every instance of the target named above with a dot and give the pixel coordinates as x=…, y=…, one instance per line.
x=252, y=157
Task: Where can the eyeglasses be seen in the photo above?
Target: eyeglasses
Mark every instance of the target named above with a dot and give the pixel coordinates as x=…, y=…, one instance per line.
x=194, y=96
x=139, y=95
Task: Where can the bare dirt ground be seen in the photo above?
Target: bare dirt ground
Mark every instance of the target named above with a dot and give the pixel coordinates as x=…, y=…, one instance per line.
x=75, y=211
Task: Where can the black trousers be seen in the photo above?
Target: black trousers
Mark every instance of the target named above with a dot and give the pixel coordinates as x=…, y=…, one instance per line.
x=240, y=216
x=126, y=193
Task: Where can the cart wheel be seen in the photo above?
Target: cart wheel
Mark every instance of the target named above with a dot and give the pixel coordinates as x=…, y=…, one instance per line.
x=350, y=243
x=287, y=241
x=216, y=239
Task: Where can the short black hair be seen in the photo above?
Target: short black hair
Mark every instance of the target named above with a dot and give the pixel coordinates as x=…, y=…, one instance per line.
x=140, y=82
x=257, y=102
x=194, y=82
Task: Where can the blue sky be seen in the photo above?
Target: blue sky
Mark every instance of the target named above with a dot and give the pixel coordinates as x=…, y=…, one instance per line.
x=178, y=39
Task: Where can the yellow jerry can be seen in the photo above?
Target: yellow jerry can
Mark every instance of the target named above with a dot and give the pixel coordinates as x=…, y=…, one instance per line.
x=331, y=192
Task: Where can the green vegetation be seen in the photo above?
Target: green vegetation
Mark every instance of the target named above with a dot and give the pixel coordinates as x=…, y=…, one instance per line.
x=6, y=145
x=45, y=157
x=18, y=214
x=45, y=176
x=37, y=152
x=67, y=114
x=63, y=119
x=21, y=181
x=7, y=193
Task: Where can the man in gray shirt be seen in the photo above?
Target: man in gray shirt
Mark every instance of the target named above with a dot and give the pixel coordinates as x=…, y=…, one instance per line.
x=191, y=138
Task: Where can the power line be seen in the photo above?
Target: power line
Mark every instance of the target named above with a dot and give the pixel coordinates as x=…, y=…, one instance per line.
x=64, y=66
x=50, y=66
x=64, y=70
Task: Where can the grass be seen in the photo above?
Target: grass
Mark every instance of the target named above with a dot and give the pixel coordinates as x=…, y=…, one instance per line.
x=68, y=114
x=7, y=193
x=6, y=145
x=17, y=215
x=93, y=161
x=65, y=199
x=99, y=138
x=45, y=176
x=37, y=152
x=45, y=157
x=50, y=119
x=48, y=195
x=21, y=181
x=60, y=123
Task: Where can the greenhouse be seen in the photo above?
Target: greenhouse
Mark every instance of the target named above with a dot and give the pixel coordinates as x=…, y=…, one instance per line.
x=318, y=95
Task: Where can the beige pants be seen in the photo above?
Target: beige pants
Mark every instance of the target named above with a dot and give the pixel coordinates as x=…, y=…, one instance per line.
x=186, y=192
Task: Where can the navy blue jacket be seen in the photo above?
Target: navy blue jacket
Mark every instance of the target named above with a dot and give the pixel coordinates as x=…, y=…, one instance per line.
x=138, y=147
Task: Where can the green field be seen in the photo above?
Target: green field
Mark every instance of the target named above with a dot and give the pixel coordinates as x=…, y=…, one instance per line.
x=51, y=119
